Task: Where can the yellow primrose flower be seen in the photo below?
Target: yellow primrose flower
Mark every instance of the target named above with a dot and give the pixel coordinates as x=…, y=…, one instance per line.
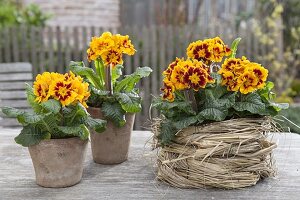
x=42, y=84
x=260, y=72
x=168, y=90
x=247, y=82
x=209, y=50
x=113, y=57
x=110, y=48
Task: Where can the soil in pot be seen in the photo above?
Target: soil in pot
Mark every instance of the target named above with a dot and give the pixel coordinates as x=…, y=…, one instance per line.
x=112, y=145
x=58, y=162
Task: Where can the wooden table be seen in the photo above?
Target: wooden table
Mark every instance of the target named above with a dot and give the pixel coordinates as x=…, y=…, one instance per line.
x=135, y=179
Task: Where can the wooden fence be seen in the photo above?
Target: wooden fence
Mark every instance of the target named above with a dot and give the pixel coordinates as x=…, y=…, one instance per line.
x=52, y=48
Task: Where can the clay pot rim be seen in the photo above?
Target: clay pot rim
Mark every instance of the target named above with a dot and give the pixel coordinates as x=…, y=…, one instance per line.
x=53, y=140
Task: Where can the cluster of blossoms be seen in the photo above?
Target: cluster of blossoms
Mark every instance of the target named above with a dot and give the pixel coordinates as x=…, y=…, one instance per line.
x=66, y=88
x=239, y=74
x=110, y=48
x=185, y=74
x=208, y=50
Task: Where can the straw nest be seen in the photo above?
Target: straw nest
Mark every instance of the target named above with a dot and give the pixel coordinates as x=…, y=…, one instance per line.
x=230, y=154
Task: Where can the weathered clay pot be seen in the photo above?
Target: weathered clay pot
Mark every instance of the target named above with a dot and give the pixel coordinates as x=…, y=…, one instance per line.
x=112, y=145
x=58, y=162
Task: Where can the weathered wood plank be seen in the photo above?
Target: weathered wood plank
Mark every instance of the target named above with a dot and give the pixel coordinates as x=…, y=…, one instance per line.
x=16, y=77
x=15, y=103
x=9, y=122
x=59, y=53
x=135, y=178
x=12, y=95
x=51, y=66
x=16, y=85
x=33, y=50
x=15, y=43
x=15, y=67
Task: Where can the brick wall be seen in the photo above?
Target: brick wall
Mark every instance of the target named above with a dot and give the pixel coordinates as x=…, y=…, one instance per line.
x=98, y=13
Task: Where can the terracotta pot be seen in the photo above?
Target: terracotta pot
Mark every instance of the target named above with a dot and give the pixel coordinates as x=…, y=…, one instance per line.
x=58, y=162
x=112, y=145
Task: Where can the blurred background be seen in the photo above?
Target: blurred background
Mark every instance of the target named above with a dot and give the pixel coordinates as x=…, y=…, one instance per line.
x=49, y=34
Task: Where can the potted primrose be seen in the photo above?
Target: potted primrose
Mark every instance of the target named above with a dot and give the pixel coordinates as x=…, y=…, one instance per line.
x=215, y=119
x=56, y=130
x=113, y=97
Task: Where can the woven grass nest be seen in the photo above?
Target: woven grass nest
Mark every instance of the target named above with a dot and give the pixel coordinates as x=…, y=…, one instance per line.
x=230, y=154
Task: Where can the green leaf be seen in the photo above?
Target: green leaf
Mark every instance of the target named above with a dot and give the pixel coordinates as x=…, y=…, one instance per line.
x=279, y=106
x=98, y=125
x=77, y=131
x=30, y=118
x=215, y=114
x=234, y=46
x=74, y=114
x=216, y=103
x=116, y=73
x=88, y=73
x=99, y=91
x=31, y=135
x=114, y=112
x=185, y=122
x=167, y=132
x=252, y=103
x=51, y=105
x=129, y=82
x=266, y=91
x=31, y=99
x=12, y=112
x=130, y=103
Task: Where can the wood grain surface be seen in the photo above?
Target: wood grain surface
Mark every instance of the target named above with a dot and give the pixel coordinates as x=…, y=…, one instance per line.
x=135, y=178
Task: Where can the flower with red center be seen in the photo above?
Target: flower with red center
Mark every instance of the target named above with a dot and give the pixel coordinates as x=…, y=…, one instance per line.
x=63, y=92
x=196, y=77
x=208, y=50
x=260, y=72
x=167, y=73
x=247, y=82
x=113, y=57
x=177, y=76
x=168, y=90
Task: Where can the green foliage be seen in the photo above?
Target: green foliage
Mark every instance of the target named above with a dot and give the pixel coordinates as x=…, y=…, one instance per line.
x=33, y=15
x=234, y=46
x=293, y=116
x=114, y=112
x=214, y=103
x=50, y=120
x=125, y=97
x=12, y=14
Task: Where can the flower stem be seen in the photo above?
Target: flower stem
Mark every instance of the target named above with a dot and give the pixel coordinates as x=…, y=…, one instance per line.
x=190, y=96
x=108, y=79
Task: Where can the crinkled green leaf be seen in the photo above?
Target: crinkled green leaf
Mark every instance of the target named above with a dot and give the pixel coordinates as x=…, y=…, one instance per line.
x=250, y=102
x=100, y=92
x=167, y=132
x=185, y=122
x=31, y=135
x=51, y=105
x=129, y=82
x=12, y=112
x=30, y=118
x=114, y=112
x=78, y=68
x=98, y=125
x=77, y=131
x=130, y=103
